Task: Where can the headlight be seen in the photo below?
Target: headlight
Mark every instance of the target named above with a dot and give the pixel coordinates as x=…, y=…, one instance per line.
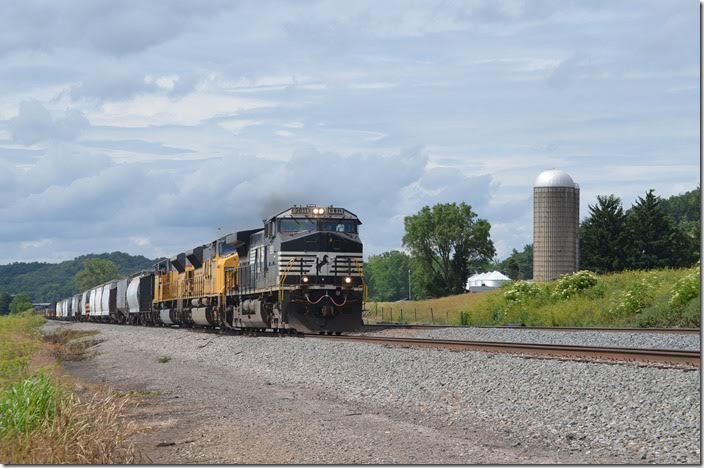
x=348, y=280
x=305, y=279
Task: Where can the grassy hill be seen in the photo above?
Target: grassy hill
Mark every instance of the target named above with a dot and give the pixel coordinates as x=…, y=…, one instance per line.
x=655, y=298
x=45, y=282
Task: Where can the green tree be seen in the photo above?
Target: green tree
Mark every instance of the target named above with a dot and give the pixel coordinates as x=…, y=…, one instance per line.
x=95, y=271
x=684, y=209
x=5, y=300
x=524, y=260
x=447, y=241
x=387, y=275
x=513, y=269
x=654, y=241
x=20, y=303
x=602, y=236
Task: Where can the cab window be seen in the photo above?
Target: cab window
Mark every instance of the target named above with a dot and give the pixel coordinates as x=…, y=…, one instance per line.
x=225, y=248
x=338, y=225
x=296, y=225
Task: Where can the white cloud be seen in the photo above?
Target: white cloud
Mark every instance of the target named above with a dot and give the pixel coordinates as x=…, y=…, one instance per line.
x=294, y=124
x=32, y=245
x=146, y=110
x=34, y=123
x=140, y=241
x=380, y=85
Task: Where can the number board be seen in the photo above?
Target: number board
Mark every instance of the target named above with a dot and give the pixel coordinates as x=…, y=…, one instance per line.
x=336, y=211
x=300, y=210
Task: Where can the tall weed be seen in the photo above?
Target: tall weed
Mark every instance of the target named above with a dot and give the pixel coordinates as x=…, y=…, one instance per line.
x=28, y=404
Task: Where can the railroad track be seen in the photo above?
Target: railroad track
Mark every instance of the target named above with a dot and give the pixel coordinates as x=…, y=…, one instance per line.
x=582, y=353
x=684, y=331
x=591, y=353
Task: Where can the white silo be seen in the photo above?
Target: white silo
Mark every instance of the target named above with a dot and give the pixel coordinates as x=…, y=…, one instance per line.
x=555, y=225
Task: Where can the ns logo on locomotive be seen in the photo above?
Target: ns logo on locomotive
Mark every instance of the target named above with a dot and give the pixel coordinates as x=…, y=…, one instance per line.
x=303, y=271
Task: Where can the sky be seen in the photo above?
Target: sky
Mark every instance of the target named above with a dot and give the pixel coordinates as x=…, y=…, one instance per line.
x=152, y=127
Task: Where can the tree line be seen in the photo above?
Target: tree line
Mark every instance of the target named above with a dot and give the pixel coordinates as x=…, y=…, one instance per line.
x=653, y=233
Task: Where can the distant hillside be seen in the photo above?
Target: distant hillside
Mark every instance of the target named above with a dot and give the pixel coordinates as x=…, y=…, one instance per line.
x=45, y=282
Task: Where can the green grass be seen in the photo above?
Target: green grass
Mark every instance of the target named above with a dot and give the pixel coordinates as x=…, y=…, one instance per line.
x=19, y=339
x=41, y=422
x=163, y=359
x=28, y=404
x=627, y=299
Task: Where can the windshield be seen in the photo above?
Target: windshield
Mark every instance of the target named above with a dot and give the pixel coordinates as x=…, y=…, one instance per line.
x=226, y=248
x=296, y=225
x=338, y=225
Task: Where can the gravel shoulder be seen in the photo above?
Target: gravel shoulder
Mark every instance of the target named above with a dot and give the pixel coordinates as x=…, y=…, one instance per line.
x=646, y=340
x=233, y=399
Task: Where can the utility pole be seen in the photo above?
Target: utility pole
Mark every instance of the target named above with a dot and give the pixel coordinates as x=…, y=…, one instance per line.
x=409, y=284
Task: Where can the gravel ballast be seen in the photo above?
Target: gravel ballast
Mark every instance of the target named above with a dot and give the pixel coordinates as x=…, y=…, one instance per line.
x=580, y=412
x=645, y=340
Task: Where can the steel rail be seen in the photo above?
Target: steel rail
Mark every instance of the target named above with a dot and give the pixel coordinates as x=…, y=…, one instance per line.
x=671, y=356
x=684, y=331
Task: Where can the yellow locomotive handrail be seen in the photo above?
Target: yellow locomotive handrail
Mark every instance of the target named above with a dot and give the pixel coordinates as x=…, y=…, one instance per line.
x=359, y=268
x=283, y=278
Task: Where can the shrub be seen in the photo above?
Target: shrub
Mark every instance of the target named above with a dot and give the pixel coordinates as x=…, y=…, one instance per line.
x=569, y=285
x=692, y=313
x=686, y=289
x=521, y=291
x=636, y=298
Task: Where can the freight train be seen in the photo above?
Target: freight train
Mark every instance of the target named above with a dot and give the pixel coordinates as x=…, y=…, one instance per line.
x=302, y=272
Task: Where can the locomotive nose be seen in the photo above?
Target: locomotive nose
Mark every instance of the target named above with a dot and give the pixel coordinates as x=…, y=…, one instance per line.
x=322, y=242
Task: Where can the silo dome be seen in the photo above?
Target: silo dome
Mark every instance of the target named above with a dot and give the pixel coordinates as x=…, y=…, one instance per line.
x=554, y=178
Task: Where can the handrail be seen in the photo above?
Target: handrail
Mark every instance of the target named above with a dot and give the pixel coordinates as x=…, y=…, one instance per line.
x=283, y=278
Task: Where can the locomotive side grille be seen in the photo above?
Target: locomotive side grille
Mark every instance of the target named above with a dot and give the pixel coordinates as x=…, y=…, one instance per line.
x=296, y=264
x=351, y=265
x=291, y=263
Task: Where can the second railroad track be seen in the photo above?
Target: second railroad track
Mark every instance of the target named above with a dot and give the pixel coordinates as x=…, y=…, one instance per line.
x=668, y=356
